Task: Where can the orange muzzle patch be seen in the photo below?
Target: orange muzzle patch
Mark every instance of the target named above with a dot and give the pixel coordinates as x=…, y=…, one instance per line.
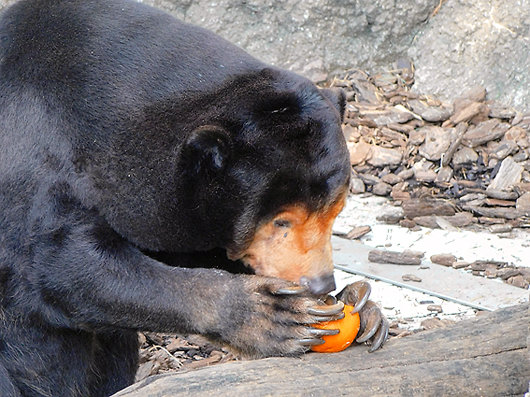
x=295, y=243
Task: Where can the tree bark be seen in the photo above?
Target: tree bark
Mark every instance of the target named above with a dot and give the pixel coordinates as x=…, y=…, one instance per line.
x=484, y=356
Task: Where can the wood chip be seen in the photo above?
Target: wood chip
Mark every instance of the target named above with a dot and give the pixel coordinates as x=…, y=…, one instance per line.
x=357, y=186
x=408, y=223
x=467, y=112
x=423, y=207
x=398, y=258
x=460, y=130
x=482, y=265
x=491, y=221
x=465, y=155
x=503, y=149
x=202, y=363
x=430, y=113
x=359, y=152
x=501, y=228
x=501, y=203
x=435, y=308
x=437, y=142
x=460, y=265
x=391, y=218
x=501, y=194
x=484, y=132
x=382, y=157
x=443, y=259
x=523, y=204
x=381, y=189
x=358, y=232
x=507, y=272
x=495, y=212
x=518, y=281
x=435, y=322
x=411, y=277
x=399, y=195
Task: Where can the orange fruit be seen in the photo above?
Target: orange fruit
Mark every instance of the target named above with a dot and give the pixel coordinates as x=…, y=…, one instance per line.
x=348, y=327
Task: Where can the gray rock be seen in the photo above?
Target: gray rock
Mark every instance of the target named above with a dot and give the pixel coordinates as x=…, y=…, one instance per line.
x=476, y=42
x=313, y=37
x=467, y=43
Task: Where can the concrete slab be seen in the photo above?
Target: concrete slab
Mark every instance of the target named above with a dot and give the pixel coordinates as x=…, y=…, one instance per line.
x=445, y=283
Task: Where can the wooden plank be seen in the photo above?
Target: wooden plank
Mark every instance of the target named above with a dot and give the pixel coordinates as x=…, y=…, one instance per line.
x=437, y=280
x=484, y=356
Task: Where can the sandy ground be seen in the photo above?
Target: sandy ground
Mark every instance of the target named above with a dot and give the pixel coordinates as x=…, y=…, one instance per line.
x=400, y=303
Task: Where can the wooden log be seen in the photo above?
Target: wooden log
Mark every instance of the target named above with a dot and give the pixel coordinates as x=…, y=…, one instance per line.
x=484, y=356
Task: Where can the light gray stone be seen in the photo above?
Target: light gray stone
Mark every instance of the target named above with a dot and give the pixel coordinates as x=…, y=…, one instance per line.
x=465, y=44
x=476, y=42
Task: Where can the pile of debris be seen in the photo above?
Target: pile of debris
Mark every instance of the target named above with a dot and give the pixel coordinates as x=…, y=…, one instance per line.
x=161, y=353
x=448, y=165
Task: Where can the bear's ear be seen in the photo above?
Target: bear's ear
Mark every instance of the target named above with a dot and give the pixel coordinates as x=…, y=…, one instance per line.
x=207, y=149
x=337, y=96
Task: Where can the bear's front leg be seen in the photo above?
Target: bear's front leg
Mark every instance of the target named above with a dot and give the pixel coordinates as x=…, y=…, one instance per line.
x=94, y=280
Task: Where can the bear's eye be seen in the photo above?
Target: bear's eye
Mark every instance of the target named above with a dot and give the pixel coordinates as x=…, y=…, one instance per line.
x=282, y=223
x=280, y=105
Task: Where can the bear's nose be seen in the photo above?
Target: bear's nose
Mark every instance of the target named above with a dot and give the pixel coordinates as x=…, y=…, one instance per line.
x=319, y=285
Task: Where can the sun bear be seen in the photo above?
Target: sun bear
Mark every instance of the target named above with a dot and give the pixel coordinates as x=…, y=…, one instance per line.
x=144, y=164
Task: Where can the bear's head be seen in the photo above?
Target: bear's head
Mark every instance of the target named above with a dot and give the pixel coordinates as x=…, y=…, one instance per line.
x=258, y=167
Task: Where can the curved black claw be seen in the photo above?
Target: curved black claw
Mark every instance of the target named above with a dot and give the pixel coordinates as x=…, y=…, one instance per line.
x=294, y=290
x=355, y=294
x=380, y=336
x=371, y=319
x=322, y=332
x=374, y=325
x=327, y=310
x=308, y=342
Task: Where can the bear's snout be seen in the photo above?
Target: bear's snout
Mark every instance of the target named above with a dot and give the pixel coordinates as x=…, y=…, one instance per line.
x=319, y=285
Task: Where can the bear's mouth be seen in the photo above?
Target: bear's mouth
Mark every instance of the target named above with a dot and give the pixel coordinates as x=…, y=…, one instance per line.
x=295, y=245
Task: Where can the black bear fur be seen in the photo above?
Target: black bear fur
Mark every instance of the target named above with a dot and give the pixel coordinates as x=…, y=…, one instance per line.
x=135, y=151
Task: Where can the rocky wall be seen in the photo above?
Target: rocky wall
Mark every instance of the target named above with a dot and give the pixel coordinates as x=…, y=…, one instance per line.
x=455, y=44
